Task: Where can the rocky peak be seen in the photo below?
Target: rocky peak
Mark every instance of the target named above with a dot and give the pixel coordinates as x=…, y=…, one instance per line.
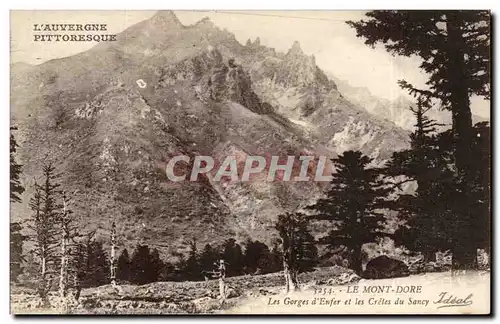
x=300, y=70
x=255, y=43
x=295, y=49
x=297, y=57
x=206, y=23
x=165, y=18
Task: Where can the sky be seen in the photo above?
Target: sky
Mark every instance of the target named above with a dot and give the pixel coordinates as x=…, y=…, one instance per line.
x=323, y=34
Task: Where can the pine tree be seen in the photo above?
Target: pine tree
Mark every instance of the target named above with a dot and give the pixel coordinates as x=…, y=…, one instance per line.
x=43, y=222
x=307, y=252
x=255, y=251
x=16, y=251
x=123, y=267
x=156, y=266
x=16, y=188
x=192, y=267
x=92, y=263
x=139, y=264
x=274, y=261
x=208, y=259
x=481, y=192
x=479, y=198
x=455, y=50
x=145, y=265
x=353, y=204
x=81, y=259
x=98, y=264
x=296, y=242
x=426, y=164
x=233, y=256
x=68, y=235
x=430, y=212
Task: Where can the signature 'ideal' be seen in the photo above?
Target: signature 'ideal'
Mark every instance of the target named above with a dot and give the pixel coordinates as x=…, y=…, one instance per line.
x=448, y=300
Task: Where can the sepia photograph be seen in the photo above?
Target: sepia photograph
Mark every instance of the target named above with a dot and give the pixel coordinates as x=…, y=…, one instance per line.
x=224, y=162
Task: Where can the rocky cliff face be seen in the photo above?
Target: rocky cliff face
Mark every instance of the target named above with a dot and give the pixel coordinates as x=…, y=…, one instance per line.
x=112, y=117
x=298, y=89
x=396, y=111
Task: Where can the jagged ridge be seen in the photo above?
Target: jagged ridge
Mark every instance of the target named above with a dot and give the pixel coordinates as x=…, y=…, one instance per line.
x=206, y=94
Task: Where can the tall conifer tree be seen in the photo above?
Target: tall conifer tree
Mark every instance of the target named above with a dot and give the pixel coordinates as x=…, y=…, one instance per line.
x=454, y=46
x=354, y=205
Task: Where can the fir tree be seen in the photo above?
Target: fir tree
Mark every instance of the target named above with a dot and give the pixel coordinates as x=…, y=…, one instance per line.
x=98, y=265
x=192, y=269
x=139, y=265
x=44, y=220
x=255, y=251
x=307, y=252
x=92, y=262
x=295, y=240
x=156, y=265
x=353, y=204
x=481, y=189
x=16, y=251
x=448, y=192
x=430, y=212
x=454, y=46
x=145, y=265
x=123, y=267
x=233, y=256
x=16, y=188
x=425, y=229
x=208, y=259
x=274, y=261
x=68, y=234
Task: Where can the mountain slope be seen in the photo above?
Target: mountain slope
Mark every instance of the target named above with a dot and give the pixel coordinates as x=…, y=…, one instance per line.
x=111, y=118
x=396, y=111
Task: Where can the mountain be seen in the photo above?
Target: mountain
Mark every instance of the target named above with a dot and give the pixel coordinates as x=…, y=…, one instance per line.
x=111, y=118
x=396, y=111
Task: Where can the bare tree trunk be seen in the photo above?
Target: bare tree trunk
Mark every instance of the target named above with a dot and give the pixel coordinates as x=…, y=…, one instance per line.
x=64, y=267
x=286, y=273
x=63, y=277
x=291, y=282
x=44, y=267
x=294, y=281
x=222, y=284
x=222, y=289
x=112, y=262
x=42, y=287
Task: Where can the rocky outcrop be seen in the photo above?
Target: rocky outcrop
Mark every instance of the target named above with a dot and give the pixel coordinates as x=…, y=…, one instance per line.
x=383, y=267
x=344, y=279
x=299, y=90
x=199, y=92
x=300, y=70
x=395, y=110
x=215, y=78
